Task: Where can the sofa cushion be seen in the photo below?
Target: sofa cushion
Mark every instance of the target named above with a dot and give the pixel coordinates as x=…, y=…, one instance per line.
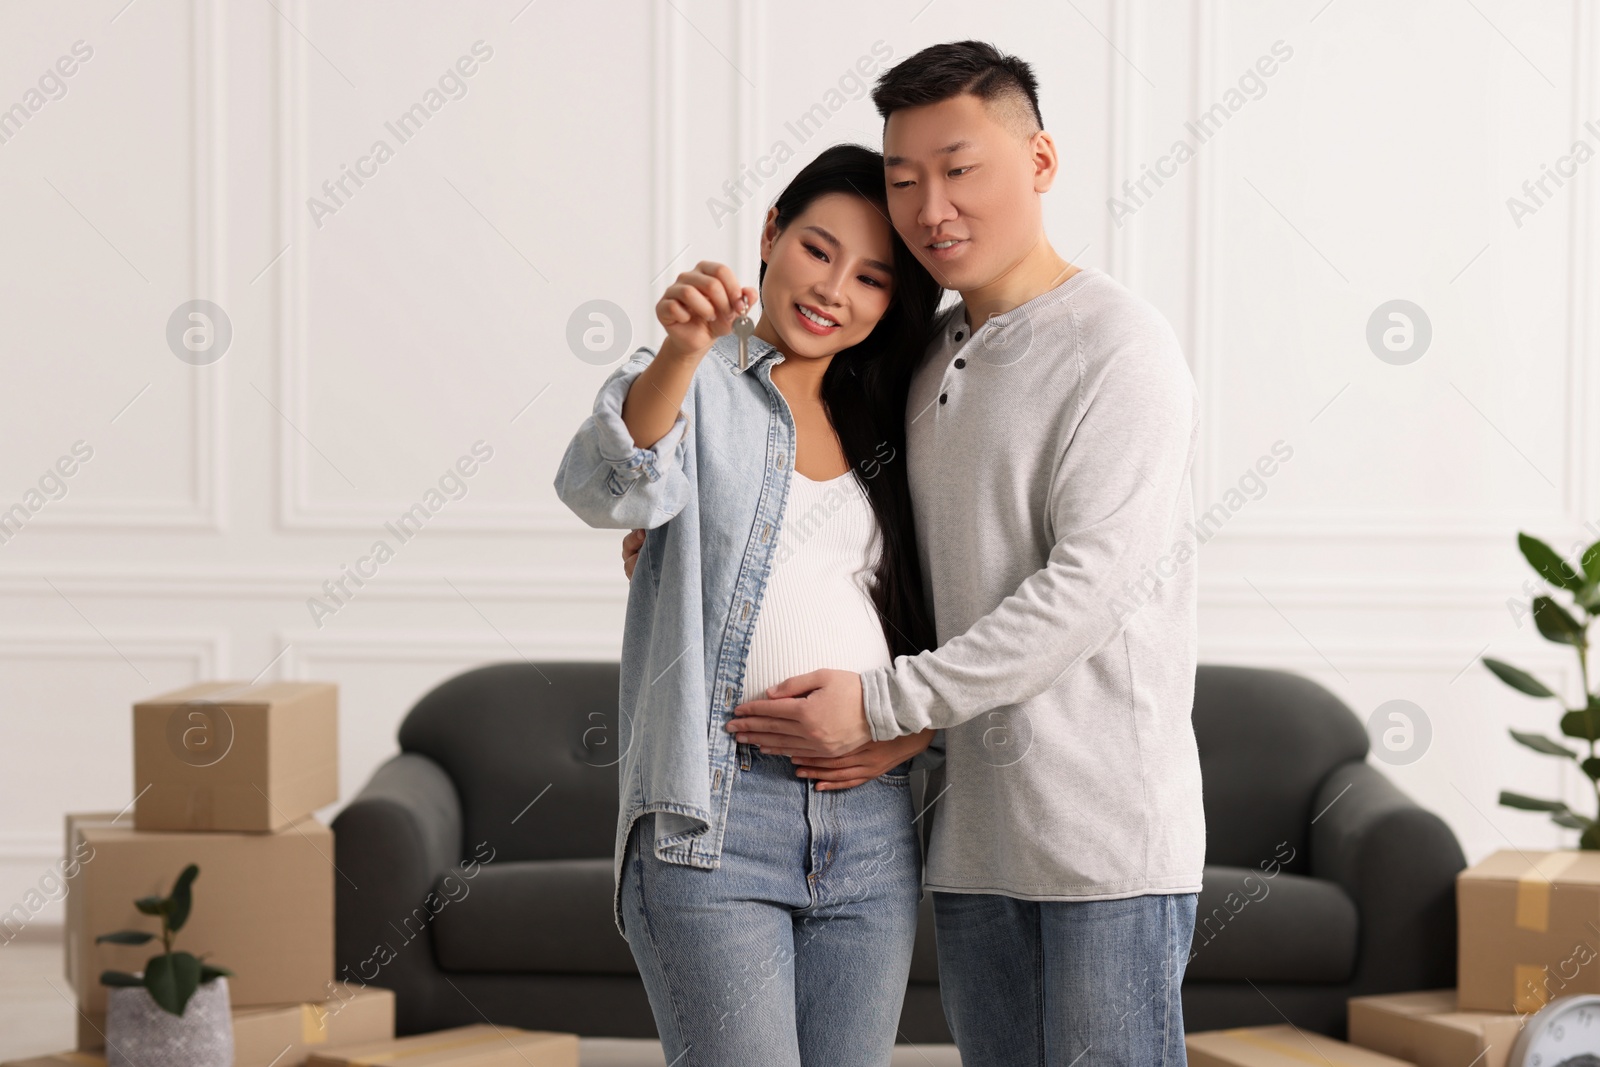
x=539, y=916
x=508, y=732
x=1284, y=928
x=554, y=917
x=1267, y=740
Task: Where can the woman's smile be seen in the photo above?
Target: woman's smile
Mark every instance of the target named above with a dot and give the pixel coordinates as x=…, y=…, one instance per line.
x=809, y=317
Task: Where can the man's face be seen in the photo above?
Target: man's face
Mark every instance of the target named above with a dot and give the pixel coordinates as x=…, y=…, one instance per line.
x=955, y=172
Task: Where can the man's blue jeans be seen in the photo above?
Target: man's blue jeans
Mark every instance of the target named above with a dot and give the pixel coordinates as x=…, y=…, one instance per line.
x=796, y=949
x=1048, y=983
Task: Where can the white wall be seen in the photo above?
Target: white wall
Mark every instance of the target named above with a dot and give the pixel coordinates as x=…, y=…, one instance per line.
x=373, y=345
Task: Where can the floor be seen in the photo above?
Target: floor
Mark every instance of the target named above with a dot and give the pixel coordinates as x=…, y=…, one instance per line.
x=36, y=1017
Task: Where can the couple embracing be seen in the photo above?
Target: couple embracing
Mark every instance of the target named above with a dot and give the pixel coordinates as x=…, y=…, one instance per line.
x=895, y=537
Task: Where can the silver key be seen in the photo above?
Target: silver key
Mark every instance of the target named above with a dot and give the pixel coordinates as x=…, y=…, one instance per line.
x=743, y=328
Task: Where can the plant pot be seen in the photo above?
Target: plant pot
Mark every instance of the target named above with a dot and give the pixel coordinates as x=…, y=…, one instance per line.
x=140, y=1032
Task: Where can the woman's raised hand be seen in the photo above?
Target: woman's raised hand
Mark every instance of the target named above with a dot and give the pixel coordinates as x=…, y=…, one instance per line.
x=696, y=309
x=701, y=305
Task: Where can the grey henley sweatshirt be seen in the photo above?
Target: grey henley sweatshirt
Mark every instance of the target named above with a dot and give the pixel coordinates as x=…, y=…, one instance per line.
x=1049, y=456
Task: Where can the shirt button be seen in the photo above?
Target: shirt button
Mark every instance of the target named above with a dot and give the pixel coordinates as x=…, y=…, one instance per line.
x=960, y=362
x=943, y=397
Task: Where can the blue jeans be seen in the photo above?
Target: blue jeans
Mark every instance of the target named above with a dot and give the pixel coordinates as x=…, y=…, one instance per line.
x=1047, y=983
x=794, y=952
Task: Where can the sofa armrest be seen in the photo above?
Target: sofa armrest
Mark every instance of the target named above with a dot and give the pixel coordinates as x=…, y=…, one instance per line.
x=392, y=843
x=1398, y=862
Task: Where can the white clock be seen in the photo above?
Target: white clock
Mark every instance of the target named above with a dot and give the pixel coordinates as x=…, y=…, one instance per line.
x=1563, y=1033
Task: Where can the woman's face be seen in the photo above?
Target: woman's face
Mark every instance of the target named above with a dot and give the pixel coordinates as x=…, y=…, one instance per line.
x=834, y=261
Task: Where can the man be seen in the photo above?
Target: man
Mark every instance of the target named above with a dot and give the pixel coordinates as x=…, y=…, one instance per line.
x=1051, y=431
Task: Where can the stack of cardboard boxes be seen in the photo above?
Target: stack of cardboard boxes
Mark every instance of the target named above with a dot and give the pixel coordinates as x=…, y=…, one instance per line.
x=227, y=777
x=1529, y=932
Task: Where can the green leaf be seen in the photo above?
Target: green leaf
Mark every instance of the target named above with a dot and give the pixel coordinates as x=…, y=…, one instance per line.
x=1590, y=561
x=1590, y=839
x=1554, y=622
x=152, y=905
x=125, y=937
x=1541, y=743
x=1551, y=567
x=209, y=971
x=172, y=979
x=1526, y=803
x=120, y=978
x=1584, y=723
x=1589, y=597
x=1571, y=820
x=181, y=898
x=1517, y=678
x=1591, y=767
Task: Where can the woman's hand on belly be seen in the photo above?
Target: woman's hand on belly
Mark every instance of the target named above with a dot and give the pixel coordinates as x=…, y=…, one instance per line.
x=862, y=765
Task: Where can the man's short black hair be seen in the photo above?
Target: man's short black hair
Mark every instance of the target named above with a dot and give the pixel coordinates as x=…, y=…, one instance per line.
x=942, y=71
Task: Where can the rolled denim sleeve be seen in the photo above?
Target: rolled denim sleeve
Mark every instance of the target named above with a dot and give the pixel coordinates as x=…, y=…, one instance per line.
x=611, y=483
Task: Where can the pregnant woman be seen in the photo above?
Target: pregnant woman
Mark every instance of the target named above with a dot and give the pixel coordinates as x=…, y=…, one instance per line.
x=771, y=907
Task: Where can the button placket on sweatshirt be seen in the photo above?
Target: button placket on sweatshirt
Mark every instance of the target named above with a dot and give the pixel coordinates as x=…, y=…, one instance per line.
x=949, y=382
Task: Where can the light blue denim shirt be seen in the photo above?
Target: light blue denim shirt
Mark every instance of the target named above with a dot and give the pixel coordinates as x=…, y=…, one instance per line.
x=711, y=495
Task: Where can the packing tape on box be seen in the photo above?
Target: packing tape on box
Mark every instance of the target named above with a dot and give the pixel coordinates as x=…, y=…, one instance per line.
x=423, y=1050
x=1317, y=1055
x=312, y=1029
x=1528, y=991
x=1534, y=886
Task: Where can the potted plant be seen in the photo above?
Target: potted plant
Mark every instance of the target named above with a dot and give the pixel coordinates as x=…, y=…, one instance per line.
x=1582, y=723
x=176, y=1012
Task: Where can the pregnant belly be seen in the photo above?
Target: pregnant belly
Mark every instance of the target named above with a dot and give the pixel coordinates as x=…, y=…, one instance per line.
x=834, y=625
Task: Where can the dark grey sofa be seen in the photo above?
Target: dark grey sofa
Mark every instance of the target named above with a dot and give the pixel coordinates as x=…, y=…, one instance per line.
x=475, y=867
x=1366, y=904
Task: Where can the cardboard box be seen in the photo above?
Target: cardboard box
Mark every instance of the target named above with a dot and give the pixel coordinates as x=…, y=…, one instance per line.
x=234, y=756
x=1529, y=929
x=1428, y=1030
x=282, y=1035
x=465, y=1046
x=1277, y=1046
x=60, y=1059
x=286, y=1035
x=263, y=906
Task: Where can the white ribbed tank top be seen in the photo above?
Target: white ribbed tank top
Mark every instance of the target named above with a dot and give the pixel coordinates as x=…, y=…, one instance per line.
x=816, y=611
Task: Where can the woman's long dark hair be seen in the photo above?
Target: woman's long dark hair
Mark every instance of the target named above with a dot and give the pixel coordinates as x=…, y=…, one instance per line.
x=864, y=392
